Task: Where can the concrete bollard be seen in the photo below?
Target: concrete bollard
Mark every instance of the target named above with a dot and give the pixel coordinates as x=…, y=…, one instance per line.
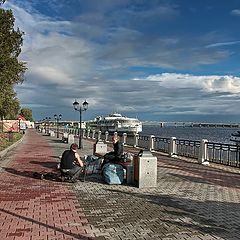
x=99, y=148
x=70, y=139
x=52, y=133
x=65, y=137
x=145, y=170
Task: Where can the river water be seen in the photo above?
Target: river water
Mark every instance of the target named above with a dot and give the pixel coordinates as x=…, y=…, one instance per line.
x=219, y=135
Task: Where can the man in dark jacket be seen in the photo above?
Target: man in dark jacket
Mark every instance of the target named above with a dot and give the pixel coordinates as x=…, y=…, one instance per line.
x=71, y=164
x=116, y=155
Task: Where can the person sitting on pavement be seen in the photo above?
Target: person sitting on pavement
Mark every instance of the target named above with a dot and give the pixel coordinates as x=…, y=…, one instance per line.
x=115, y=155
x=71, y=164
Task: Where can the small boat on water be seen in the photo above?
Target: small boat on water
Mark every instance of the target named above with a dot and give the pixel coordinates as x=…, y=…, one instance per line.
x=235, y=137
x=115, y=122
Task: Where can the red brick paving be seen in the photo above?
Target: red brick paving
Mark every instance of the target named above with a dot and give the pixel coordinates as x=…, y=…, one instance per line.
x=36, y=209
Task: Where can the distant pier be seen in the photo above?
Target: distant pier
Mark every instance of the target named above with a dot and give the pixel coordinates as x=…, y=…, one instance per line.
x=195, y=124
x=217, y=125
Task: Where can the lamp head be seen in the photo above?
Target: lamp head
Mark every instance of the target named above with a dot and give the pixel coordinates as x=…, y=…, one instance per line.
x=76, y=104
x=57, y=117
x=85, y=105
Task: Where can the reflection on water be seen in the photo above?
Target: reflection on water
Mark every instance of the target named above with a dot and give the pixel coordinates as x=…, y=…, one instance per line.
x=221, y=135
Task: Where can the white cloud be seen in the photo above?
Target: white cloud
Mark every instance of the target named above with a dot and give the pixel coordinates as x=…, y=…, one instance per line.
x=221, y=44
x=210, y=83
x=235, y=12
x=51, y=75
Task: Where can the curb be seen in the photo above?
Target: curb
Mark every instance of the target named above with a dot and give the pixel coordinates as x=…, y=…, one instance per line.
x=5, y=151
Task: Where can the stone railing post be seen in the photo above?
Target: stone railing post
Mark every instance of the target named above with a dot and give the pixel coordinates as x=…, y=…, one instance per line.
x=124, y=138
x=151, y=142
x=83, y=133
x=88, y=133
x=203, y=154
x=106, y=136
x=93, y=134
x=99, y=135
x=172, y=147
x=135, y=144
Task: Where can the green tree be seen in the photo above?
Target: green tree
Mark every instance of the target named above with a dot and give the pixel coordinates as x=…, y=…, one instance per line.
x=10, y=106
x=11, y=69
x=26, y=113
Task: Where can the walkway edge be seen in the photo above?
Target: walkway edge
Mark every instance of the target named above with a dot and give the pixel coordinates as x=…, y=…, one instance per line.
x=5, y=151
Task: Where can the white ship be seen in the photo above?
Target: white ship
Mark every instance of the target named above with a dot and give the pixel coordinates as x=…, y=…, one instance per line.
x=235, y=137
x=115, y=122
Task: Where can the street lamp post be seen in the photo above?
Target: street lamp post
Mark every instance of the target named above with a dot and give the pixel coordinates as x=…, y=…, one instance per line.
x=80, y=109
x=57, y=118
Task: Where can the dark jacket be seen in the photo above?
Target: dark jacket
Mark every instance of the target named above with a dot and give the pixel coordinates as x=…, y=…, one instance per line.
x=67, y=160
x=118, y=149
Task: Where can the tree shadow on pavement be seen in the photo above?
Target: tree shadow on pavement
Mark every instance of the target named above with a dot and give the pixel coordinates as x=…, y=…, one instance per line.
x=46, y=226
x=210, y=217
x=52, y=176
x=48, y=164
x=202, y=174
x=94, y=178
x=56, y=140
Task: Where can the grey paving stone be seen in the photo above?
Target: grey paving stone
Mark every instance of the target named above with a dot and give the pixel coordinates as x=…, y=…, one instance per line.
x=190, y=202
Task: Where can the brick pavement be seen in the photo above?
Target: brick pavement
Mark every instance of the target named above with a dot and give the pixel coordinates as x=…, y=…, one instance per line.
x=37, y=209
x=191, y=201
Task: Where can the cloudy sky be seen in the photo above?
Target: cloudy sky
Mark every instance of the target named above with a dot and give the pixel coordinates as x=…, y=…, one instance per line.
x=162, y=60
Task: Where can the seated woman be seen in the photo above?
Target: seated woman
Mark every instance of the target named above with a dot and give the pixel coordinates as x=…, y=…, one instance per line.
x=115, y=155
x=71, y=164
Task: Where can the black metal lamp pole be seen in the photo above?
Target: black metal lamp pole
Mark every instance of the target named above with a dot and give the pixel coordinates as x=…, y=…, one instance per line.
x=80, y=109
x=57, y=118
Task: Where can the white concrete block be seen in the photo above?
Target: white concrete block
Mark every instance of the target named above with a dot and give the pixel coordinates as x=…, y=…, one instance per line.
x=100, y=147
x=52, y=133
x=147, y=170
x=70, y=138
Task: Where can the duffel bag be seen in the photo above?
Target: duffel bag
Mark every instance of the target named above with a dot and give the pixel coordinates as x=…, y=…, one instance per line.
x=113, y=173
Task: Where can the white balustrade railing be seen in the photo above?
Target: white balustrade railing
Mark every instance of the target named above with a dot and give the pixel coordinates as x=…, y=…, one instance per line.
x=203, y=151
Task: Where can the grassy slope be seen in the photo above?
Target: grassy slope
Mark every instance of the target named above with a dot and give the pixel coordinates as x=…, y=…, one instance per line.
x=6, y=141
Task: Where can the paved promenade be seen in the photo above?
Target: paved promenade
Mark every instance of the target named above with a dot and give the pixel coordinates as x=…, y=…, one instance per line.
x=191, y=201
